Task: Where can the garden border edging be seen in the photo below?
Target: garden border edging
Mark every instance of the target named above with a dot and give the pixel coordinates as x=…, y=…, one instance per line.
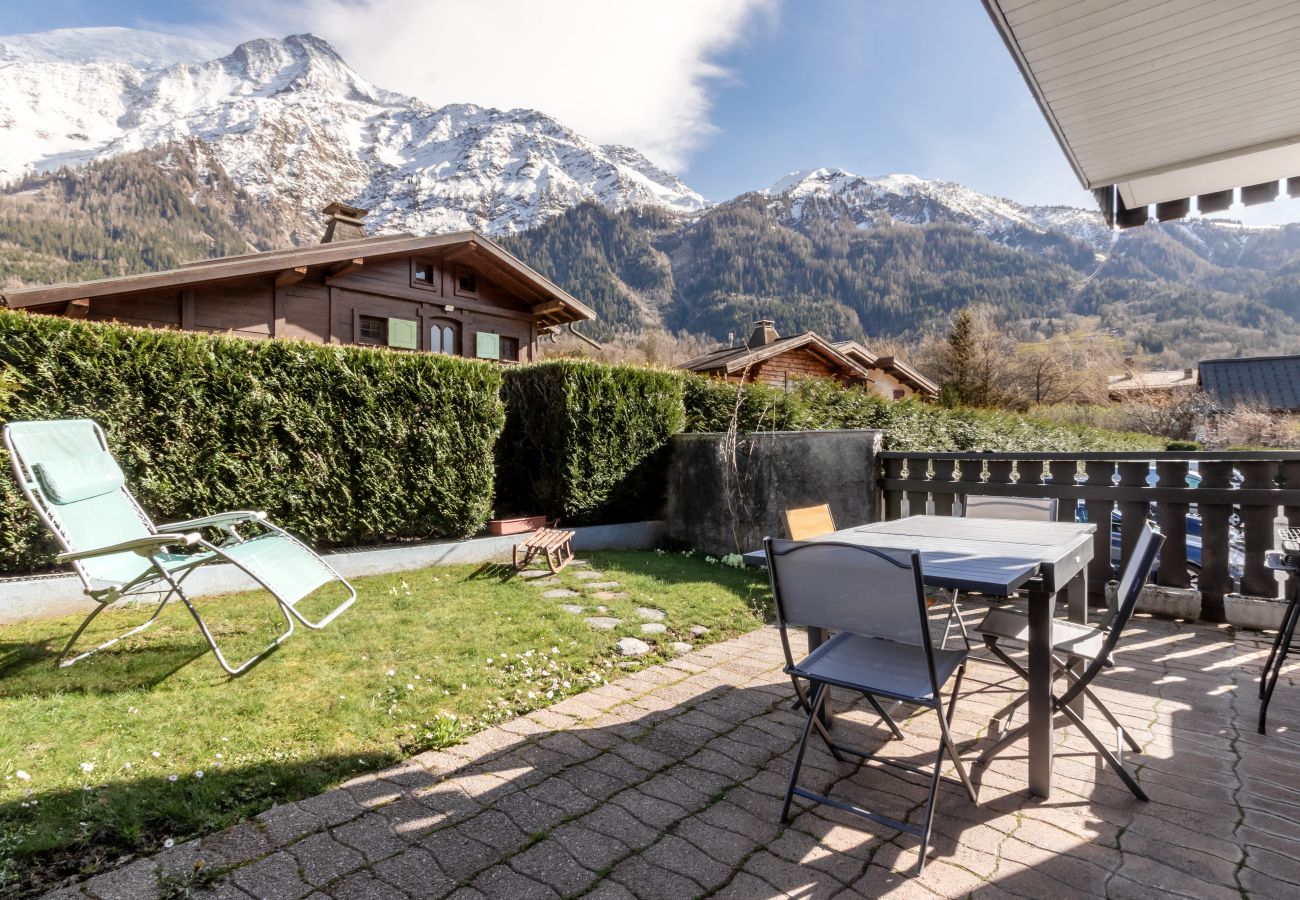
x=47, y=596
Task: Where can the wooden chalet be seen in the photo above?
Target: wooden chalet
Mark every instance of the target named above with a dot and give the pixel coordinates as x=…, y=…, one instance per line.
x=768, y=358
x=456, y=293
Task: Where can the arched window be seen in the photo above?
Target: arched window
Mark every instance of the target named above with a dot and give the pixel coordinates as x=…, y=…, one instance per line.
x=444, y=337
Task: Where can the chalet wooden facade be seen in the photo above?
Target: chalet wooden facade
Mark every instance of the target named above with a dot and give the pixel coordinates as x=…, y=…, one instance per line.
x=457, y=293
x=768, y=358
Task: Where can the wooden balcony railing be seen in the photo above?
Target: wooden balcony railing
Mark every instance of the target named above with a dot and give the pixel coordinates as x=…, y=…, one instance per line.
x=1266, y=486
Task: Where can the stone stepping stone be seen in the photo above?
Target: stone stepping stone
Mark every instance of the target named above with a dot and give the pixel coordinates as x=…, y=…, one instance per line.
x=560, y=592
x=601, y=585
x=681, y=647
x=529, y=574
x=604, y=623
x=632, y=647
x=572, y=608
x=699, y=630
x=589, y=575
x=579, y=562
x=544, y=582
x=653, y=628
x=651, y=615
x=609, y=595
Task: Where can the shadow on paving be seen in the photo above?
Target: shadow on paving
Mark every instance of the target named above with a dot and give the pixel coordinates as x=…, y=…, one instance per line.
x=668, y=783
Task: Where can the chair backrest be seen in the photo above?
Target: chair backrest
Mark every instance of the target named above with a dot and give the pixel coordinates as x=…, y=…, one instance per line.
x=870, y=591
x=1137, y=571
x=67, y=473
x=1034, y=509
x=808, y=522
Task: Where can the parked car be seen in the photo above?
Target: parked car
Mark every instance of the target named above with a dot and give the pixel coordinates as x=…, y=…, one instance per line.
x=1236, y=559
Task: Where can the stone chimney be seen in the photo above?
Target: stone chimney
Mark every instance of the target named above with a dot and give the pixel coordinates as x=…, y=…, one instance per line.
x=763, y=334
x=345, y=223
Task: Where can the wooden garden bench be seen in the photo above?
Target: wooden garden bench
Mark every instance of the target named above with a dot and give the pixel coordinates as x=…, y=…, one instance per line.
x=555, y=544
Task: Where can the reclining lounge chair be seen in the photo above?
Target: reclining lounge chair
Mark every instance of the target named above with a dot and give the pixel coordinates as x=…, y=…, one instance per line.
x=68, y=474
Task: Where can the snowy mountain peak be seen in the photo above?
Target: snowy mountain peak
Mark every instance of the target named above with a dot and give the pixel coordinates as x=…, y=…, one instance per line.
x=140, y=49
x=909, y=199
x=294, y=125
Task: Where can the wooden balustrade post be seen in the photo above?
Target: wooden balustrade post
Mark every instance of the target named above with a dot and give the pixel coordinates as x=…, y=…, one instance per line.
x=1100, y=473
x=1215, y=580
x=1173, y=524
x=1062, y=472
x=971, y=471
x=945, y=471
x=1290, y=477
x=1257, y=522
x=893, y=499
x=918, y=470
x=1133, y=514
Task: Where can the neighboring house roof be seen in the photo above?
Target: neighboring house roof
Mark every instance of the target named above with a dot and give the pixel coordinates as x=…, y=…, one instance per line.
x=1156, y=102
x=551, y=304
x=732, y=360
x=1272, y=382
x=891, y=364
x=1138, y=382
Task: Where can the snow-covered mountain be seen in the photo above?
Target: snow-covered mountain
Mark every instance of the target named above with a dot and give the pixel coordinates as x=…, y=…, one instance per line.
x=835, y=193
x=295, y=126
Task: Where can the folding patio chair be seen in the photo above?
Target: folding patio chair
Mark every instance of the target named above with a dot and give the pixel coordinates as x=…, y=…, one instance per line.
x=1022, y=509
x=875, y=599
x=68, y=474
x=1073, y=641
x=807, y=522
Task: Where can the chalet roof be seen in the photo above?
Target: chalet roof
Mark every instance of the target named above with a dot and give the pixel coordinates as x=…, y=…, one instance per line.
x=730, y=360
x=1161, y=101
x=551, y=304
x=891, y=364
x=1272, y=382
x=1164, y=380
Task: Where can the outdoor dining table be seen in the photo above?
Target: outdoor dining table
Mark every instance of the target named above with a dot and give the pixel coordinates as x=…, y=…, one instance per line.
x=997, y=557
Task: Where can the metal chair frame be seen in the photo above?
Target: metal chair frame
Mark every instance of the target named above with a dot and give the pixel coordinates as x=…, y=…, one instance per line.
x=821, y=686
x=1146, y=551
x=159, y=577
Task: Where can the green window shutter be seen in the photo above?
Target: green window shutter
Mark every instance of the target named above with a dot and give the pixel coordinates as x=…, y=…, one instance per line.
x=403, y=334
x=488, y=345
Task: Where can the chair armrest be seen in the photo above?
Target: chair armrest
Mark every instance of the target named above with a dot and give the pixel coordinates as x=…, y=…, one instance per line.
x=220, y=520
x=143, y=546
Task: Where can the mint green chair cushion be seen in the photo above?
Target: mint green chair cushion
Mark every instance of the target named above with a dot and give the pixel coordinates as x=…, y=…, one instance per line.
x=78, y=478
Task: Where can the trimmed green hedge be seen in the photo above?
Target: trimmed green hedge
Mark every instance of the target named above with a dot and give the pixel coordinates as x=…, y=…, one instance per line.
x=340, y=445
x=907, y=424
x=585, y=442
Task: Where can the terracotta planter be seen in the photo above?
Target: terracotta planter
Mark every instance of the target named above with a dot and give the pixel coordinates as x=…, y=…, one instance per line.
x=516, y=526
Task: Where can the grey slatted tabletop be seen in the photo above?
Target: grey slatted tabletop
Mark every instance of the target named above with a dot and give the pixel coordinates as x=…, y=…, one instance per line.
x=988, y=556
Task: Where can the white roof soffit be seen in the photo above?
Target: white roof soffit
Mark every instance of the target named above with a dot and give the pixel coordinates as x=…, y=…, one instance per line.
x=1161, y=101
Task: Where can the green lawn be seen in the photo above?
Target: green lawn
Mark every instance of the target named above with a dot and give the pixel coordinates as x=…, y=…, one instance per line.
x=103, y=758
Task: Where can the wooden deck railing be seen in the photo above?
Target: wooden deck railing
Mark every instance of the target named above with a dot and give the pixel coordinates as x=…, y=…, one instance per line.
x=1269, y=487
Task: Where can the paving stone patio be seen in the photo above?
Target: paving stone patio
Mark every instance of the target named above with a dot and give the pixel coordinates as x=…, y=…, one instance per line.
x=667, y=783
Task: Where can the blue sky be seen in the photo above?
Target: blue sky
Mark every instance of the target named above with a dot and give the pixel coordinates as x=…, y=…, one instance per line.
x=731, y=94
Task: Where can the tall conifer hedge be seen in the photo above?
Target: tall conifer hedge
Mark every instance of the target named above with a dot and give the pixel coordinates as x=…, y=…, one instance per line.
x=341, y=445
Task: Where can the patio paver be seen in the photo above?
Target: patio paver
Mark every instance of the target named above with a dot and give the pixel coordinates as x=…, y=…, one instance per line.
x=668, y=783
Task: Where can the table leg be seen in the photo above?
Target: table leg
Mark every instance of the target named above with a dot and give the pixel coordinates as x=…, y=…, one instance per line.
x=1077, y=596
x=817, y=637
x=1041, y=604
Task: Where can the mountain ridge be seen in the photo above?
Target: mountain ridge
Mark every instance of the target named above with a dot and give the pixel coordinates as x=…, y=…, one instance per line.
x=104, y=149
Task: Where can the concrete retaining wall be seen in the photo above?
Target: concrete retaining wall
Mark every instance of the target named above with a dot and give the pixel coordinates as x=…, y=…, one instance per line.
x=60, y=595
x=724, y=499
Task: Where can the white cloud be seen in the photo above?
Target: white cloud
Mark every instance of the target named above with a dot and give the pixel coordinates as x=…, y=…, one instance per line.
x=618, y=71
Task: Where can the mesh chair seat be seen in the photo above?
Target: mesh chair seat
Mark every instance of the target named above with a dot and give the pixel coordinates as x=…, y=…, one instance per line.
x=886, y=668
x=1067, y=637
